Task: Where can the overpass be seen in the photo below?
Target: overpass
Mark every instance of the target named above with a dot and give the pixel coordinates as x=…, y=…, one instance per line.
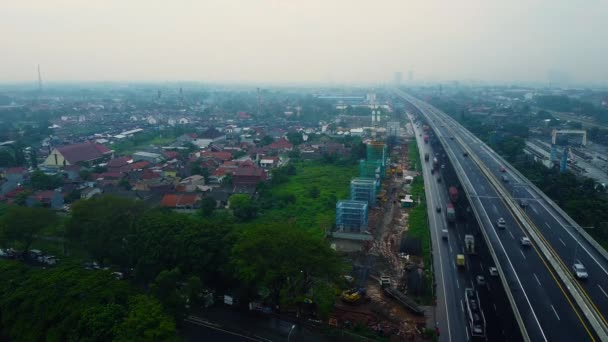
x=548, y=302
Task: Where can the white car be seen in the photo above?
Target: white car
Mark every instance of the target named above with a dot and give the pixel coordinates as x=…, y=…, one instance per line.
x=525, y=241
x=501, y=223
x=481, y=280
x=579, y=270
x=493, y=271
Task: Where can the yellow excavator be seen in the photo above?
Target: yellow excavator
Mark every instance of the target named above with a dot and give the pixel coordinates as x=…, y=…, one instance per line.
x=352, y=296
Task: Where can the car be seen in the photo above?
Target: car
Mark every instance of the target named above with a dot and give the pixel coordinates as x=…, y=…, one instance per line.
x=579, y=270
x=505, y=179
x=438, y=208
x=438, y=179
x=523, y=203
x=451, y=138
x=493, y=271
x=502, y=169
x=444, y=234
x=525, y=241
x=501, y=223
x=465, y=154
x=481, y=280
x=443, y=166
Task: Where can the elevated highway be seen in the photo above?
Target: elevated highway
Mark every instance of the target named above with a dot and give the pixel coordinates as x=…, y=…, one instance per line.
x=548, y=302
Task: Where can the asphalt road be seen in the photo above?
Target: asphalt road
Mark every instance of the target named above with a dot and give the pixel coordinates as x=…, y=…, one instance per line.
x=555, y=228
x=451, y=281
x=546, y=307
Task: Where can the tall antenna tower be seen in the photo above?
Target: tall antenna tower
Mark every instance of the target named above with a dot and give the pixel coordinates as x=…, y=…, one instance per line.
x=39, y=79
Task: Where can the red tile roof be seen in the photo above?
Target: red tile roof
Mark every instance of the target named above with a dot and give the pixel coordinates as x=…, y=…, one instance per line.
x=118, y=162
x=223, y=156
x=83, y=152
x=170, y=154
x=180, y=200
x=140, y=165
x=281, y=144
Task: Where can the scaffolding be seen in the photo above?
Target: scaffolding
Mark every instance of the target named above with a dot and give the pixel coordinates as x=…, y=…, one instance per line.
x=351, y=216
x=363, y=189
x=376, y=150
x=371, y=169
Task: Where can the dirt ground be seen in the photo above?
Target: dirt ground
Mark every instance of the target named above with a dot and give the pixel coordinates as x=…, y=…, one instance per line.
x=387, y=223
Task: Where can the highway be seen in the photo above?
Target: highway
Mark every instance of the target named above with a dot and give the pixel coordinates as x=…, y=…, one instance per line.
x=451, y=282
x=541, y=301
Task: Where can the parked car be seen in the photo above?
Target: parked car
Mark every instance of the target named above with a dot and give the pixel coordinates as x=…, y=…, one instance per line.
x=579, y=270
x=501, y=223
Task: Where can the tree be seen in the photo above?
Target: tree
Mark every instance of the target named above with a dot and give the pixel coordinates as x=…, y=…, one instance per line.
x=41, y=181
x=166, y=289
x=97, y=322
x=85, y=174
x=295, y=138
x=146, y=321
x=102, y=224
x=20, y=225
x=208, y=205
x=242, y=207
x=196, y=169
x=266, y=140
x=283, y=259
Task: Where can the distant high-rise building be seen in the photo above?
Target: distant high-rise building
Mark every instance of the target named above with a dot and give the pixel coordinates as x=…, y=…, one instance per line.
x=398, y=77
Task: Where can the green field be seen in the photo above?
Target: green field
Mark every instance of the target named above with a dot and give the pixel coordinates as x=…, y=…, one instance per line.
x=310, y=213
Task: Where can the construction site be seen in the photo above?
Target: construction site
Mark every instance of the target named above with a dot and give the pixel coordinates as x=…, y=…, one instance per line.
x=383, y=292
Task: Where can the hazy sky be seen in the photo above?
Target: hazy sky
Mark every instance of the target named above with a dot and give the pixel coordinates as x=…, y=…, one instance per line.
x=303, y=41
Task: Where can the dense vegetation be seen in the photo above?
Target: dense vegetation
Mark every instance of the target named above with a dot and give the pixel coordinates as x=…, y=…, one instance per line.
x=306, y=196
x=279, y=257
x=563, y=103
x=69, y=303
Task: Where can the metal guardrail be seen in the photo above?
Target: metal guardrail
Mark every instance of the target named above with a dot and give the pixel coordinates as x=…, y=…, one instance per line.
x=584, y=303
x=554, y=205
x=508, y=291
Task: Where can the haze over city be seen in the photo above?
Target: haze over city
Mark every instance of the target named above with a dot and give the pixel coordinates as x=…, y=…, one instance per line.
x=305, y=41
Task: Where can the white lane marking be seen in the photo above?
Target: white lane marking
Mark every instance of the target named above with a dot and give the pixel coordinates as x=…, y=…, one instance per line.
x=482, y=187
x=537, y=280
x=548, y=226
x=468, y=335
x=512, y=236
x=534, y=209
x=457, y=283
x=474, y=194
x=451, y=251
x=555, y=312
x=481, y=265
x=494, y=208
x=461, y=305
x=564, y=226
x=495, y=309
x=601, y=289
x=522, y=253
x=562, y=241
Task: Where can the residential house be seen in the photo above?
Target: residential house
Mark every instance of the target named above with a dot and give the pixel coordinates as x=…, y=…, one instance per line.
x=213, y=134
x=181, y=201
x=49, y=199
x=90, y=192
x=269, y=162
x=86, y=153
x=121, y=164
x=282, y=145
x=247, y=175
x=191, y=184
x=153, y=158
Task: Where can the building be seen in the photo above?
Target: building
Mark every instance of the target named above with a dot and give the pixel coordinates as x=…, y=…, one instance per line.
x=181, y=201
x=398, y=78
x=248, y=174
x=351, y=216
x=78, y=154
x=153, y=158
